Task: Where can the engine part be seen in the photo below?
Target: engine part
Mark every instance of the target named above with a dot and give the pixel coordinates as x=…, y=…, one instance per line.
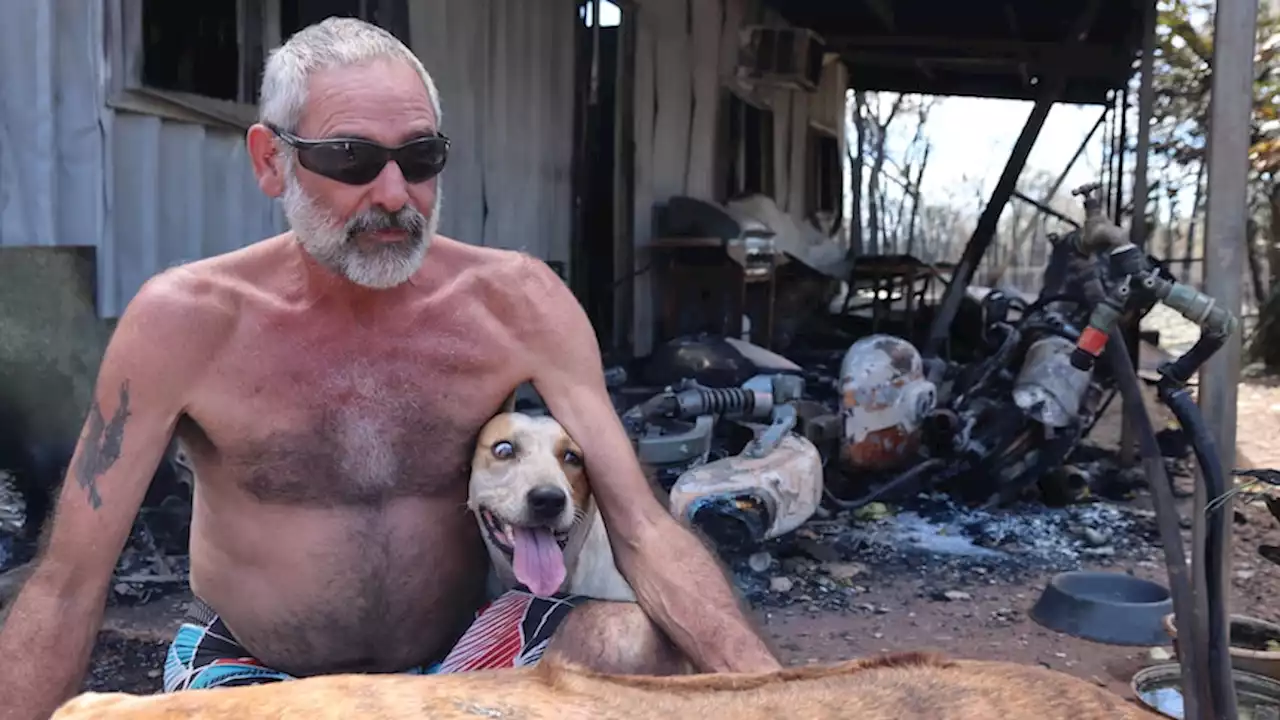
x=672, y=431
x=741, y=500
x=675, y=442
x=784, y=421
x=1049, y=388
x=1099, y=233
x=884, y=399
x=713, y=361
x=734, y=402
x=689, y=400
x=1199, y=605
x=615, y=376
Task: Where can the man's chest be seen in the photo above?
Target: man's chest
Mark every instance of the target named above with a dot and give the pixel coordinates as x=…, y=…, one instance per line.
x=345, y=425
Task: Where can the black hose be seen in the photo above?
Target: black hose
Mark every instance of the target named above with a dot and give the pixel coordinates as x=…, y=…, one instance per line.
x=899, y=481
x=1180, y=371
x=1221, y=682
x=1063, y=332
x=997, y=360
x=1040, y=303
x=1195, y=695
x=1097, y=415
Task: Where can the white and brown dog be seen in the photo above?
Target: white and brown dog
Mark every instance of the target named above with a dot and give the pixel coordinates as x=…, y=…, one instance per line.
x=530, y=494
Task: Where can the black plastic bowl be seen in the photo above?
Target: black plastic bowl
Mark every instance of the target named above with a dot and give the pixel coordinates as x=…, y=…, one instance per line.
x=1106, y=607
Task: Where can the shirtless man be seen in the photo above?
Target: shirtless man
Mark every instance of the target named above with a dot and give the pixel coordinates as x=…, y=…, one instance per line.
x=328, y=385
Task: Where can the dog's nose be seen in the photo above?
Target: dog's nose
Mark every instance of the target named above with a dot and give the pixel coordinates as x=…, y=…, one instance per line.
x=546, y=502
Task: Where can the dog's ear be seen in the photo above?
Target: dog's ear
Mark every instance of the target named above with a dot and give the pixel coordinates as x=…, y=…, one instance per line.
x=508, y=405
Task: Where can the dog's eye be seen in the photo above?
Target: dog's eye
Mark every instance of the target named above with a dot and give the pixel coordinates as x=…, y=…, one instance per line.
x=503, y=450
x=572, y=458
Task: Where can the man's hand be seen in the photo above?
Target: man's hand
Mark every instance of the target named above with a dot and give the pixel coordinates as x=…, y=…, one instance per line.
x=48, y=637
x=677, y=581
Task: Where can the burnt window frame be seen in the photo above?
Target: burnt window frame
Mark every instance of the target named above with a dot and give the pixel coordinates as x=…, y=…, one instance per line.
x=258, y=28
x=739, y=171
x=820, y=199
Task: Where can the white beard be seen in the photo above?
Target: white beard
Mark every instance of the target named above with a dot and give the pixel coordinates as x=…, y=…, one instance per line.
x=332, y=243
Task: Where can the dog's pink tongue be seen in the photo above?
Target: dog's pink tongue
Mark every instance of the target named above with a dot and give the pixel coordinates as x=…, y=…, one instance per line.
x=539, y=564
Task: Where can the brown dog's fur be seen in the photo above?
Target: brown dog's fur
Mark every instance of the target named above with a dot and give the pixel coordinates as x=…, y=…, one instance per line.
x=910, y=686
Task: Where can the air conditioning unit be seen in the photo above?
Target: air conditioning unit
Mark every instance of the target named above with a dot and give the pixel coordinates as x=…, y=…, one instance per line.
x=781, y=57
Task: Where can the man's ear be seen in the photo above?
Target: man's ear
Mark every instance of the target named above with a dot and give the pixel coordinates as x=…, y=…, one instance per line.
x=265, y=155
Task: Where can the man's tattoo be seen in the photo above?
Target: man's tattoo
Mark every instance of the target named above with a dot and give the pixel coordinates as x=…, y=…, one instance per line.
x=102, y=442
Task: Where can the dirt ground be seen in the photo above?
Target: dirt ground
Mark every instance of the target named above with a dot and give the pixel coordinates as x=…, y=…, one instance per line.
x=986, y=618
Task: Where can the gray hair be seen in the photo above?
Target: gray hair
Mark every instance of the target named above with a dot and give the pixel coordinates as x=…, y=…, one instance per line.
x=333, y=42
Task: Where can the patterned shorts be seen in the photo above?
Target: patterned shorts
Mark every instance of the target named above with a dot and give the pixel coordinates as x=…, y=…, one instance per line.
x=511, y=631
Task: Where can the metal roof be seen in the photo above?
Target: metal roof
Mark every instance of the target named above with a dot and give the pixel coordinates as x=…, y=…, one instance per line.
x=982, y=48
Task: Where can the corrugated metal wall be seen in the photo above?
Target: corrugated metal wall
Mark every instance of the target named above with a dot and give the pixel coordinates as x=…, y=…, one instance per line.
x=51, y=141
x=686, y=51
x=504, y=69
x=148, y=193
x=151, y=192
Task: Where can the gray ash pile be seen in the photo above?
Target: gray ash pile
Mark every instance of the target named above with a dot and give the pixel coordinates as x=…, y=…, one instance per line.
x=831, y=562
x=124, y=665
x=15, y=547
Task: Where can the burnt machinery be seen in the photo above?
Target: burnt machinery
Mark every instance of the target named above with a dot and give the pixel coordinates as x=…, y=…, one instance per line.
x=988, y=428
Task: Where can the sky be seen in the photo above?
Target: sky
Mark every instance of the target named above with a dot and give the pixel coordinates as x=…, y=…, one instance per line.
x=973, y=137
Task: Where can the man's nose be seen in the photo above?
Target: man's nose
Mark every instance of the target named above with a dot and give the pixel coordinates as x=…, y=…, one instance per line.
x=389, y=190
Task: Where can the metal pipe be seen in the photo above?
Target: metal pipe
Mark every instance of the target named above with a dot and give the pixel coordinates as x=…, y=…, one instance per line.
x=1122, y=143
x=1196, y=698
x=595, y=54
x=1062, y=177
x=1042, y=207
x=1230, y=118
x=1108, y=146
x=1138, y=223
x=1051, y=88
x=1146, y=103
x=1226, y=206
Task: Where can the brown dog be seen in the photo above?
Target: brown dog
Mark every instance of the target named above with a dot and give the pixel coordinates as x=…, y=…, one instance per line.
x=530, y=494
x=901, y=687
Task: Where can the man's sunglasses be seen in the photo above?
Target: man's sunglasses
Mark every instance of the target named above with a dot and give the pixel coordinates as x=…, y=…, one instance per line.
x=357, y=162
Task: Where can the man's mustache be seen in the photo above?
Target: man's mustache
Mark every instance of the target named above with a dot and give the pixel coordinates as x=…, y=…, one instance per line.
x=406, y=219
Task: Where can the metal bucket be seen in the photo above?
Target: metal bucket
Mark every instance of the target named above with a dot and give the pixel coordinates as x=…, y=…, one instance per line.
x=1159, y=687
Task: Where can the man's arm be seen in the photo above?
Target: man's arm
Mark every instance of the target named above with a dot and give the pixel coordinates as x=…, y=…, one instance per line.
x=677, y=580
x=50, y=631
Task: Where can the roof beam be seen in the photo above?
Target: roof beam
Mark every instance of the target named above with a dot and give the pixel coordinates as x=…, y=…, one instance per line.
x=975, y=45
x=1072, y=65
x=883, y=10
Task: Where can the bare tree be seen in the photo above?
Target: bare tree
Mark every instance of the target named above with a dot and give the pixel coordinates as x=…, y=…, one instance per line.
x=880, y=122
x=857, y=160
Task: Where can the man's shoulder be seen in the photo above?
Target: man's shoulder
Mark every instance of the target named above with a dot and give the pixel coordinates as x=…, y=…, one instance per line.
x=196, y=300
x=209, y=289
x=513, y=275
